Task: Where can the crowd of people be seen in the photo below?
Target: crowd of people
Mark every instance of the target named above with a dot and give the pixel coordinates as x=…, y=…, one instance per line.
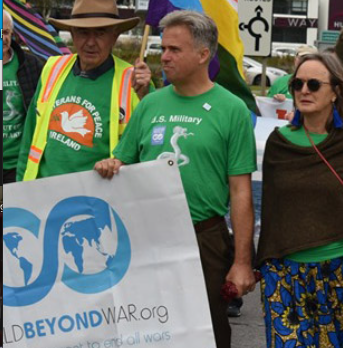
x=93, y=110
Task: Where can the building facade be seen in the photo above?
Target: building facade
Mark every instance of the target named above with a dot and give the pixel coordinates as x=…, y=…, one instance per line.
x=312, y=22
x=295, y=21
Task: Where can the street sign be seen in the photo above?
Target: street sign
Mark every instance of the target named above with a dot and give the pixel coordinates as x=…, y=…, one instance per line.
x=330, y=36
x=255, y=26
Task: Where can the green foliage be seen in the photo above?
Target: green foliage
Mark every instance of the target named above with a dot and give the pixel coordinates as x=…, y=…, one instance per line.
x=46, y=6
x=256, y=90
x=129, y=51
x=154, y=62
x=285, y=63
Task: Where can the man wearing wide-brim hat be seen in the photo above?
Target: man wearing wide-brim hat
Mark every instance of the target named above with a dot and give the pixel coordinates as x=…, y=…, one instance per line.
x=83, y=101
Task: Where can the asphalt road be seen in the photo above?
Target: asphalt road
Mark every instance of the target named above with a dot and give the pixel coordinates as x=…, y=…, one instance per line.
x=248, y=330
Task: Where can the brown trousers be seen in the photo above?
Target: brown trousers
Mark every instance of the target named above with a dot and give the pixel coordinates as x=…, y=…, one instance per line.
x=216, y=253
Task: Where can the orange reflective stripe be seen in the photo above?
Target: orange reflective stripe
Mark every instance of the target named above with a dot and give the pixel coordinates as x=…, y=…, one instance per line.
x=125, y=93
x=35, y=154
x=54, y=73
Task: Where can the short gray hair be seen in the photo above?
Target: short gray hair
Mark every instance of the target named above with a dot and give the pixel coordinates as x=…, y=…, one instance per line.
x=202, y=28
x=6, y=13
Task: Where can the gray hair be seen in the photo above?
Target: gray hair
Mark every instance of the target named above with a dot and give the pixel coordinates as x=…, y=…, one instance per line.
x=6, y=13
x=335, y=69
x=202, y=28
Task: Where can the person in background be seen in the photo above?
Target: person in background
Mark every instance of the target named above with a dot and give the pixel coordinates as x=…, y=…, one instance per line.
x=339, y=47
x=300, y=251
x=83, y=101
x=279, y=90
x=208, y=132
x=21, y=73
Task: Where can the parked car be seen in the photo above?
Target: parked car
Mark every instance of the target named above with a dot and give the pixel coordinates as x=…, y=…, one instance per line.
x=154, y=48
x=284, y=52
x=253, y=72
x=65, y=36
x=154, y=45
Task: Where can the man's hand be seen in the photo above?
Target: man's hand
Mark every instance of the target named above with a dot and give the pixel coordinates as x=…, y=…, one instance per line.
x=141, y=78
x=108, y=167
x=243, y=277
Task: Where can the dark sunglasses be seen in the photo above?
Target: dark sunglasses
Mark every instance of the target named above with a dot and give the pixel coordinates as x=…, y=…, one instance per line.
x=312, y=84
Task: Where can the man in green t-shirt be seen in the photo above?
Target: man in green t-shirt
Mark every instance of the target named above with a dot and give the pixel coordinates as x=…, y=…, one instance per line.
x=21, y=72
x=208, y=132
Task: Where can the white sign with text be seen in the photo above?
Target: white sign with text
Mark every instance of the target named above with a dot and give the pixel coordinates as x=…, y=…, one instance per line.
x=97, y=263
x=270, y=107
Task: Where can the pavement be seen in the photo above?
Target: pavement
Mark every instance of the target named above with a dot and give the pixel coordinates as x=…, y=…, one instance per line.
x=248, y=330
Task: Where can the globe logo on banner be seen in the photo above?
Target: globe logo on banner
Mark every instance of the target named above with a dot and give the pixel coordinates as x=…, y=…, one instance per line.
x=83, y=235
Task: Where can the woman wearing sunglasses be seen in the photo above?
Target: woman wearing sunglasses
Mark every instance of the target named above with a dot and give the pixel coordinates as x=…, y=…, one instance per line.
x=300, y=250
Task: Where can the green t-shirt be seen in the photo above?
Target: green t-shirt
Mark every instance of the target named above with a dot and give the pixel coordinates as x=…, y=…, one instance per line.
x=13, y=114
x=79, y=127
x=280, y=86
x=325, y=252
x=210, y=135
x=78, y=131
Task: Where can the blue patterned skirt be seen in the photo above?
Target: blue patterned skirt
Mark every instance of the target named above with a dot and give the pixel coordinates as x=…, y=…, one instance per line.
x=303, y=303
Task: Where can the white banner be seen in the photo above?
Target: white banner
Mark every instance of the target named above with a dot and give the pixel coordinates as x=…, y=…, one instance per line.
x=272, y=108
x=96, y=263
x=264, y=126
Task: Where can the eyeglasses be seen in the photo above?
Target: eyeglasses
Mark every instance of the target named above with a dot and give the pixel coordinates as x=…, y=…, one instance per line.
x=312, y=84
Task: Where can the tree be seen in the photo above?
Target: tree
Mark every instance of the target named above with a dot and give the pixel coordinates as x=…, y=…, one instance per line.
x=47, y=7
x=129, y=3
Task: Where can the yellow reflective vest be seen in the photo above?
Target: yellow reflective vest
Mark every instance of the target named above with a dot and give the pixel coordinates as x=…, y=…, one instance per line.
x=53, y=76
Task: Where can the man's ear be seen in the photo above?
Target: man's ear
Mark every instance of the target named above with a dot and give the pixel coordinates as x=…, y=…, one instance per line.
x=204, y=55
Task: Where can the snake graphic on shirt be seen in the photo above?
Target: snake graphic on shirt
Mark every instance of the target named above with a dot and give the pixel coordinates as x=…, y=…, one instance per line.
x=13, y=112
x=177, y=155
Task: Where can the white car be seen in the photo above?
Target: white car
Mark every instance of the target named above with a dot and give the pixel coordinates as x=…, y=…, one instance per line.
x=284, y=52
x=253, y=72
x=154, y=48
x=65, y=36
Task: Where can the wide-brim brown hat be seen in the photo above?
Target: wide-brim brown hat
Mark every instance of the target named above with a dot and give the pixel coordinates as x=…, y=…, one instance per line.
x=95, y=14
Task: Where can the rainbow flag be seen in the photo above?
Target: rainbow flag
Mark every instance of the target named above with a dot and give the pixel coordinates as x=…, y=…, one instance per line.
x=39, y=36
x=230, y=49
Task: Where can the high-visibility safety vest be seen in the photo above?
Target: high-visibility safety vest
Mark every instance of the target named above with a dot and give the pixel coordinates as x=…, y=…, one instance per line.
x=53, y=76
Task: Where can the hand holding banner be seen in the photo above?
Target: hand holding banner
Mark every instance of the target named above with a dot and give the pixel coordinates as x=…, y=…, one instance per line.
x=270, y=107
x=98, y=263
